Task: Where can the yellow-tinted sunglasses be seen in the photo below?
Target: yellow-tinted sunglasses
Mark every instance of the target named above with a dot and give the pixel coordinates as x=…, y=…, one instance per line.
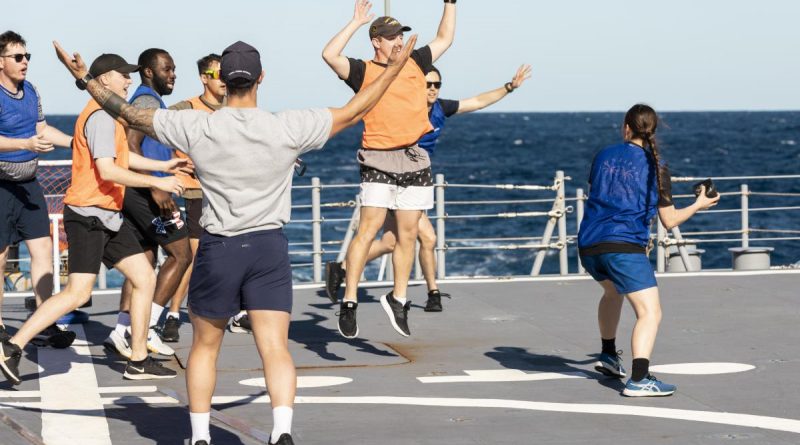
x=212, y=74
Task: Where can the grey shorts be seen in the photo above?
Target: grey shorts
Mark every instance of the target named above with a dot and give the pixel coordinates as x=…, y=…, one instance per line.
x=396, y=179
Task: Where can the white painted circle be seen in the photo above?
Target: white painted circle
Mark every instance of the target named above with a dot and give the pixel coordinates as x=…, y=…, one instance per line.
x=702, y=368
x=302, y=381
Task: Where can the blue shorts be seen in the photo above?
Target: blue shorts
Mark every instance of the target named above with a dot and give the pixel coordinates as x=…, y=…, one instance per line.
x=630, y=272
x=243, y=272
x=23, y=212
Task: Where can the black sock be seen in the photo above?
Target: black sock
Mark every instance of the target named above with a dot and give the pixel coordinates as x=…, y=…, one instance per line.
x=641, y=366
x=609, y=346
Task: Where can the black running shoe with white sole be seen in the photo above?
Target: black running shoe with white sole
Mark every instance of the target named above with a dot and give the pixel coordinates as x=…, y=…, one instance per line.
x=334, y=277
x=55, y=337
x=348, y=326
x=201, y=442
x=147, y=369
x=285, y=439
x=241, y=325
x=169, y=332
x=434, y=303
x=4, y=335
x=397, y=313
x=10, y=355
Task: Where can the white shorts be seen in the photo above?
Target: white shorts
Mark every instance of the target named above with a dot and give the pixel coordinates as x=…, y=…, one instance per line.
x=393, y=197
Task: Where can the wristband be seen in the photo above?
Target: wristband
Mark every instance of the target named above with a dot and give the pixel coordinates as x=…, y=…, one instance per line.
x=450, y=1
x=509, y=87
x=83, y=81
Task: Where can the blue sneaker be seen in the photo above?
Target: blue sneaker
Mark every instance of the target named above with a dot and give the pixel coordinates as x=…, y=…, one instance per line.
x=648, y=387
x=610, y=365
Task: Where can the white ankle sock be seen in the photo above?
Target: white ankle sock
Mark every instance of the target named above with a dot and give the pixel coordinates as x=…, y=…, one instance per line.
x=282, y=422
x=155, y=313
x=200, y=427
x=123, y=321
x=401, y=300
x=175, y=315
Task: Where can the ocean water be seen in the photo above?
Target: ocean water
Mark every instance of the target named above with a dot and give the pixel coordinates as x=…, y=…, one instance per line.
x=528, y=148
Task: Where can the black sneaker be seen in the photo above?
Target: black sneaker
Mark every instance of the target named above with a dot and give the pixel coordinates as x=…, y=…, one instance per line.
x=10, y=355
x=348, y=326
x=54, y=336
x=4, y=335
x=241, y=326
x=147, y=369
x=201, y=442
x=434, y=303
x=334, y=277
x=169, y=332
x=285, y=439
x=398, y=313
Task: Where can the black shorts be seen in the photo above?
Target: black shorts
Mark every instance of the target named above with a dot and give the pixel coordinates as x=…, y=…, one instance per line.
x=91, y=243
x=139, y=211
x=243, y=272
x=194, y=210
x=23, y=212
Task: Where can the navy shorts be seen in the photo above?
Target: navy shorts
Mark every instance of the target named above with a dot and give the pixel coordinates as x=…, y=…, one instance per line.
x=23, y=212
x=243, y=272
x=630, y=272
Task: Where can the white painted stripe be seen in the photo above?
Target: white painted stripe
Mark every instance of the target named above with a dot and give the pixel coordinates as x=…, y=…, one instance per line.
x=735, y=419
x=702, y=368
x=501, y=375
x=24, y=405
x=72, y=411
x=126, y=389
x=18, y=394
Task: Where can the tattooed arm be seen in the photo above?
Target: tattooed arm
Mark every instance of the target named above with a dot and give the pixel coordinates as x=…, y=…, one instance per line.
x=115, y=105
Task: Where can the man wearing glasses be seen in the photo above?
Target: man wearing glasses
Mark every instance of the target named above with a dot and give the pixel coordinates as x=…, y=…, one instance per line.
x=211, y=100
x=438, y=112
x=395, y=171
x=24, y=134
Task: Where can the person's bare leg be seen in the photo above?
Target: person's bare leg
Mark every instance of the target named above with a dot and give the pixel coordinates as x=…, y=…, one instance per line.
x=404, y=251
x=125, y=295
x=385, y=244
x=179, y=257
x=183, y=287
x=371, y=222
x=142, y=279
x=75, y=294
x=609, y=310
x=201, y=369
x=647, y=306
x=271, y=332
x=427, y=249
x=41, y=251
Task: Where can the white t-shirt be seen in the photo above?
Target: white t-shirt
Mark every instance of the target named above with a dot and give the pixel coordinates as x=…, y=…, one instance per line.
x=244, y=159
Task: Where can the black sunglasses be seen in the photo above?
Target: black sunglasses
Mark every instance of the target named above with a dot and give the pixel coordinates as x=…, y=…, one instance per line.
x=300, y=167
x=437, y=85
x=18, y=57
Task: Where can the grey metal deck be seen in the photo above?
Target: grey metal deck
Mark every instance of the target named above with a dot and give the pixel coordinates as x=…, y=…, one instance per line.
x=507, y=362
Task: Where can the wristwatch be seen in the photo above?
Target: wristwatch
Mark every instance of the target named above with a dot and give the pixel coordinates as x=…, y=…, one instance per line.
x=450, y=1
x=509, y=87
x=83, y=81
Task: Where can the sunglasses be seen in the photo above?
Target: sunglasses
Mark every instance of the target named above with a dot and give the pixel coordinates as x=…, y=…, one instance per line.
x=18, y=57
x=212, y=74
x=437, y=85
x=300, y=167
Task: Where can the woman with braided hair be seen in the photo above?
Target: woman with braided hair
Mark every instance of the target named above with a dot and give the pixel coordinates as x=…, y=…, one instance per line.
x=629, y=183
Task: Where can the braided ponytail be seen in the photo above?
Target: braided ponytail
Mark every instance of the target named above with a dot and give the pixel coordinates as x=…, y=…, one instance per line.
x=643, y=121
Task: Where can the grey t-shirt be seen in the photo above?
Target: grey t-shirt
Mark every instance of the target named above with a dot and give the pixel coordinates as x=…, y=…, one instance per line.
x=99, y=130
x=244, y=159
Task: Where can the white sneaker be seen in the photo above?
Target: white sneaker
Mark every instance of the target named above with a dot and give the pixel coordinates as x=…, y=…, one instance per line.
x=119, y=344
x=155, y=345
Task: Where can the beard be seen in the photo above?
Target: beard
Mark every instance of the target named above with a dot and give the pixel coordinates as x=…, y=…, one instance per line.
x=161, y=86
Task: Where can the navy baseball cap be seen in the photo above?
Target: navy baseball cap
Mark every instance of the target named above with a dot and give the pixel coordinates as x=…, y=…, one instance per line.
x=241, y=64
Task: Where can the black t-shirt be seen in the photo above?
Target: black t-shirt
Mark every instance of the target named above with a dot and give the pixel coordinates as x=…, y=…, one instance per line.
x=423, y=58
x=449, y=107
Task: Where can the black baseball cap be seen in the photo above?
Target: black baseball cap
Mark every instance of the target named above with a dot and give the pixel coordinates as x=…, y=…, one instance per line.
x=386, y=27
x=111, y=62
x=241, y=64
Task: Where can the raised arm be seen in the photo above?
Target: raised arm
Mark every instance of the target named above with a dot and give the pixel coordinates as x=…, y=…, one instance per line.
x=483, y=100
x=115, y=105
x=332, y=54
x=446, y=33
x=367, y=97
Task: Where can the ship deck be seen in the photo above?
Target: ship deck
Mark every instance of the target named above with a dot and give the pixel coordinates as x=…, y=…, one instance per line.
x=507, y=362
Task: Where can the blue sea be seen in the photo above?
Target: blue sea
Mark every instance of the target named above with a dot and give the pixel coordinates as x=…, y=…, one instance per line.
x=528, y=148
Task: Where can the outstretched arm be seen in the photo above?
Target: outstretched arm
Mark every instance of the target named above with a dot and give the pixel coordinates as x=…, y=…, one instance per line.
x=367, y=97
x=332, y=54
x=446, y=33
x=483, y=100
x=115, y=105
x=54, y=135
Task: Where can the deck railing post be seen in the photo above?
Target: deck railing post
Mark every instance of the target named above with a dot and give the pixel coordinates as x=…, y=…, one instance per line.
x=660, y=251
x=316, y=229
x=578, y=220
x=441, y=270
x=745, y=216
x=548, y=233
x=56, y=255
x=563, y=258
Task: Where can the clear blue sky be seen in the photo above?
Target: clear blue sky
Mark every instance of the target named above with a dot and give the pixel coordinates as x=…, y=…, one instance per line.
x=587, y=55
